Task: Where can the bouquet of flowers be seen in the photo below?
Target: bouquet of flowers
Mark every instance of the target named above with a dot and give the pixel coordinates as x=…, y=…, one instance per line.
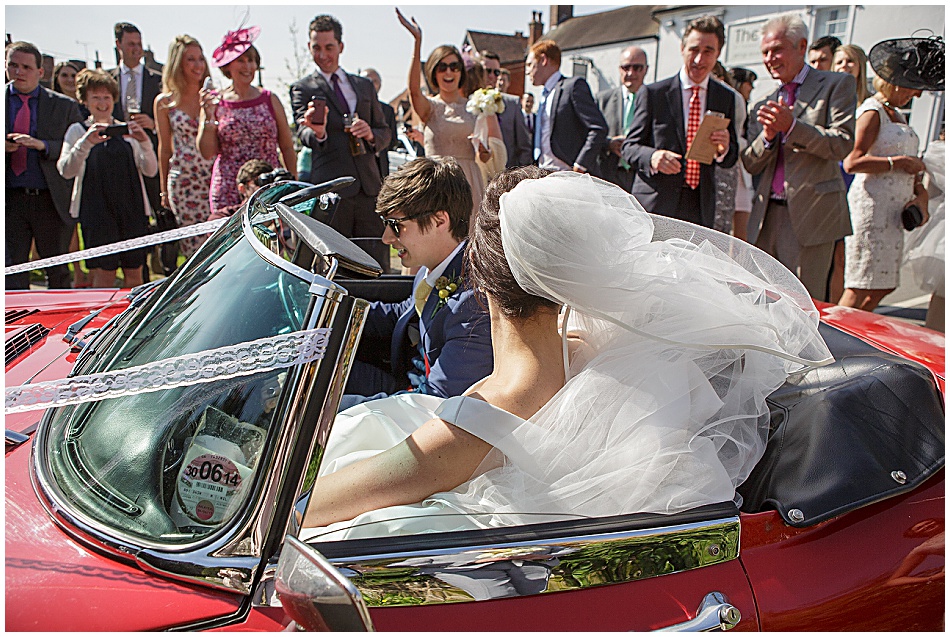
x=482, y=103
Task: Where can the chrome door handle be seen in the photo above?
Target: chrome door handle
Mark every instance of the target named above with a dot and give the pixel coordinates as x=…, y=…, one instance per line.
x=715, y=613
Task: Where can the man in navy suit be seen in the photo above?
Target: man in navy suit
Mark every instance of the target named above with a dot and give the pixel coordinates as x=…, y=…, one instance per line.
x=617, y=105
x=666, y=183
x=440, y=337
x=570, y=130
x=37, y=196
x=344, y=94
x=512, y=124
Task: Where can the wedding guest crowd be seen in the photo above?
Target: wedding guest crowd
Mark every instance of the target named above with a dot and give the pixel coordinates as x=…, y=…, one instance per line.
x=804, y=142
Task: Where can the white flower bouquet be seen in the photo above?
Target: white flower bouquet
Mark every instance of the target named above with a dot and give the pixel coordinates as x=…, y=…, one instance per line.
x=482, y=103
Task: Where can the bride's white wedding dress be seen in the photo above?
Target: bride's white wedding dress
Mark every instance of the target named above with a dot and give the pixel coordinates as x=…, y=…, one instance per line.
x=685, y=333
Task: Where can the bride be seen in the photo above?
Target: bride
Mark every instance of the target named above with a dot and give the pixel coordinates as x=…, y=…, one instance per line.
x=652, y=399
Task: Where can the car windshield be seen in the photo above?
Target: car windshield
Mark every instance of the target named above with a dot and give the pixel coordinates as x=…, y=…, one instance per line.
x=173, y=466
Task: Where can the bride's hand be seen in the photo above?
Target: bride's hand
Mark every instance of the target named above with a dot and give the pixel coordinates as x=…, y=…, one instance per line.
x=413, y=26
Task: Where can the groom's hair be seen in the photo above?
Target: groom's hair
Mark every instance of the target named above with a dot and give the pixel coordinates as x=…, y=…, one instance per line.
x=424, y=186
x=486, y=264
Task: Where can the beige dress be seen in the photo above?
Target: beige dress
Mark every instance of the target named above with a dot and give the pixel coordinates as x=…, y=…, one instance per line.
x=446, y=135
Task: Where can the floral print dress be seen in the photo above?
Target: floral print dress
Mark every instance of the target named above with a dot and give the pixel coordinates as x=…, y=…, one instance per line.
x=246, y=130
x=189, y=178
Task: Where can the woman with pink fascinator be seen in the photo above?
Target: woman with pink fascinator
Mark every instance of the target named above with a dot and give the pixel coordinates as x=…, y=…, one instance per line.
x=240, y=122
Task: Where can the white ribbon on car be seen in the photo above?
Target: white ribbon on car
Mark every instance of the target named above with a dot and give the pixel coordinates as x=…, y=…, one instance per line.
x=184, y=232
x=242, y=359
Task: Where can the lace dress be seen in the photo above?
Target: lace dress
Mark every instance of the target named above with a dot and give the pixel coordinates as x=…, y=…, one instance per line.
x=246, y=130
x=873, y=253
x=446, y=135
x=189, y=177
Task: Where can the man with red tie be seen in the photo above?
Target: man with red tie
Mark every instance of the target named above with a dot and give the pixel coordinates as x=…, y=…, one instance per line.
x=667, y=116
x=37, y=197
x=799, y=134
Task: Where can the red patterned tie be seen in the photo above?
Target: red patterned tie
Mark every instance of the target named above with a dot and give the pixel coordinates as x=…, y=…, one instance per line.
x=692, y=166
x=21, y=125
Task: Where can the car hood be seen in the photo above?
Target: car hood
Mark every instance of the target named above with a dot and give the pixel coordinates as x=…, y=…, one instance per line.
x=54, y=583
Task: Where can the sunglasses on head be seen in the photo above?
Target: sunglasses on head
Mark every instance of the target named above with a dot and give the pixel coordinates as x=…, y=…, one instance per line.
x=442, y=67
x=393, y=224
x=633, y=67
x=278, y=174
x=493, y=71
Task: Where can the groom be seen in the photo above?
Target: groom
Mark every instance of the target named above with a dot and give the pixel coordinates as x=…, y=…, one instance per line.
x=440, y=337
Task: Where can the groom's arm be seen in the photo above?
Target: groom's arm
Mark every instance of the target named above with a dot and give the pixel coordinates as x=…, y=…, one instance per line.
x=466, y=356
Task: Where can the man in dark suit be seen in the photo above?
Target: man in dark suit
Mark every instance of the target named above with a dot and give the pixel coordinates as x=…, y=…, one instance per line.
x=527, y=112
x=513, y=129
x=440, y=337
x=570, y=130
x=143, y=85
x=389, y=113
x=37, y=197
x=617, y=106
x=799, y=134
x=666, y=117
x=344, y=94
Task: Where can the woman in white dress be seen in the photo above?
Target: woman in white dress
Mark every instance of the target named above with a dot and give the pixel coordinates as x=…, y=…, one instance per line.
x=656, y=402
x=889, y=172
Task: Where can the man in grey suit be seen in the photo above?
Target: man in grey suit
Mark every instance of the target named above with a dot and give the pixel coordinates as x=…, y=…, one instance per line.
x=617, y=106
x=143, y=84
x=37, y=196
x=513, y=129
x=333, y=156
x=389, y=113
x=570, y=131
x=799, y=134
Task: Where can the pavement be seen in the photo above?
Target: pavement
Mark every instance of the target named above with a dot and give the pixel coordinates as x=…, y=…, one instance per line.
x=908, y=302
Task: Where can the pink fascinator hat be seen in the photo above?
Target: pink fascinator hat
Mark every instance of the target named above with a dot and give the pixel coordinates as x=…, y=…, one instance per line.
x=233, y=46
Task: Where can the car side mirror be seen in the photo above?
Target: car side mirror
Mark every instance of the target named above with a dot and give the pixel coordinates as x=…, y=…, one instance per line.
x=315, y=594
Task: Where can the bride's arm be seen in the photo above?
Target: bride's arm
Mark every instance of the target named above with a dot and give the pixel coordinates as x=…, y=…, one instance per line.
x=436, y=457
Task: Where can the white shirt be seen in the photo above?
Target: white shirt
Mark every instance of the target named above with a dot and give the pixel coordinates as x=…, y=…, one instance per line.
x=124, y=83
x=547, y=158
x=432, y=276
x=345, y=86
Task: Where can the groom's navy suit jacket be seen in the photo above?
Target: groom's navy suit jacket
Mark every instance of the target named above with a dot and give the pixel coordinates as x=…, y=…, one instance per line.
x=454, y=349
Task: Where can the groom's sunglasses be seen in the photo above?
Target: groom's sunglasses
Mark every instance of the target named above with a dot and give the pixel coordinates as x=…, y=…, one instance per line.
x=442, y=67
x=393, y=224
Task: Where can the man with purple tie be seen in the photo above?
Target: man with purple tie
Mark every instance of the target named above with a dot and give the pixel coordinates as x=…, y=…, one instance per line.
x=37, y=197
x=799, y=134
x=341, y=148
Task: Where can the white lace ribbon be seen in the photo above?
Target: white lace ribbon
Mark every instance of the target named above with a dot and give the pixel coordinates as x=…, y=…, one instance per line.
x=184, y=232
x=242, y=359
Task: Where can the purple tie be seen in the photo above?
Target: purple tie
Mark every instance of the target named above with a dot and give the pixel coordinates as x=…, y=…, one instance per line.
x=21, y=125
x=778, y=179
x=339, y=93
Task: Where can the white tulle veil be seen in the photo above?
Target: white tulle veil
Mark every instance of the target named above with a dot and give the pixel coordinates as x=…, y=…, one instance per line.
x=685, y=332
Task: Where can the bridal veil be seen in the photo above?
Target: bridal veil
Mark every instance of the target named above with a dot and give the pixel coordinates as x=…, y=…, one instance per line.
x=685, y=333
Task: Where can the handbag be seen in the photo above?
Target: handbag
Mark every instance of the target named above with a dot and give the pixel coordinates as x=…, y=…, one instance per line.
x=165, y=219
x=912, y=217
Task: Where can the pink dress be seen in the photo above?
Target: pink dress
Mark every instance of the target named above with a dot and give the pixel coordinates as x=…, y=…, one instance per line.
x=189, y=177
x=246, y=130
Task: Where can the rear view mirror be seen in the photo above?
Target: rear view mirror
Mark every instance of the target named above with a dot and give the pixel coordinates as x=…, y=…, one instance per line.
x=315, y=594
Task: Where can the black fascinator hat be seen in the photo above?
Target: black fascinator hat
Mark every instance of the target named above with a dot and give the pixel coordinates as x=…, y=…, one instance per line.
x=915, y=63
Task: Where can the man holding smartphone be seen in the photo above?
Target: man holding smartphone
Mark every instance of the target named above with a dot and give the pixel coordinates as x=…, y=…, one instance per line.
x=667, y=116
x=323, y=103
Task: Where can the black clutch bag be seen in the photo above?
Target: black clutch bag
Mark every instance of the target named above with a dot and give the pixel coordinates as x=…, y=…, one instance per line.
x=911, y=217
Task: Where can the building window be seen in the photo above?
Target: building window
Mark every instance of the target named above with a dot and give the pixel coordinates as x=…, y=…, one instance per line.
x=580, y=68
x=832, y=21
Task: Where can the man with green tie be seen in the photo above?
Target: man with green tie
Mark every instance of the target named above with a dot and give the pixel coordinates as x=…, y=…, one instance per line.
x=617, y=106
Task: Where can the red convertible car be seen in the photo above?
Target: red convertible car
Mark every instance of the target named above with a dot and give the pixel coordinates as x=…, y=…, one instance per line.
x=178, y=508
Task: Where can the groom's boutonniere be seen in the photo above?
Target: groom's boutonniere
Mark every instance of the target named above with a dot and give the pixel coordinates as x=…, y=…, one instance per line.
x=445, y=287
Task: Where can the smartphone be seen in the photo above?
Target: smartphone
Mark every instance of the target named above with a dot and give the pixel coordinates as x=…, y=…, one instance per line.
x=318, y=117
x=116, y=130
x=209, y=84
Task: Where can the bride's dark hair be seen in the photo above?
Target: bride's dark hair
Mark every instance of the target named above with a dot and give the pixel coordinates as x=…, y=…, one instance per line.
x=485, y=257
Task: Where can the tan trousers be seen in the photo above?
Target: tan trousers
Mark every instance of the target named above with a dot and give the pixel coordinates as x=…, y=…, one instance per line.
x=809, y=263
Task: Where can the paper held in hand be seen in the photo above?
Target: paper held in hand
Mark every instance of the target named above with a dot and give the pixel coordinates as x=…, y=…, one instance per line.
x=703, y=150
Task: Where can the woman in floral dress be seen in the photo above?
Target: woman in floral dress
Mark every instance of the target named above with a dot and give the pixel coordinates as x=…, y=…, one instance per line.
x=185, y=173
x=242, y=122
